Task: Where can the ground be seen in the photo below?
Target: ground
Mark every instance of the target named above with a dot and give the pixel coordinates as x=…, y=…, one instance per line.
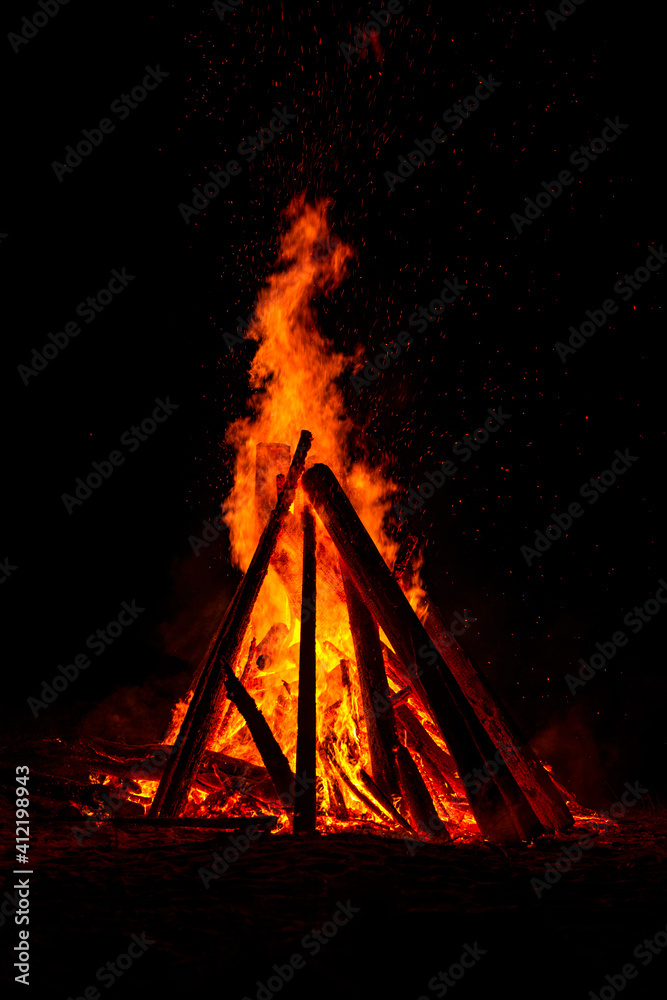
x=407, y=913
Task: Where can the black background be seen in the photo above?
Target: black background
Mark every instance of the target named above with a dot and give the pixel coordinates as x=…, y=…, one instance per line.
x=163, y=337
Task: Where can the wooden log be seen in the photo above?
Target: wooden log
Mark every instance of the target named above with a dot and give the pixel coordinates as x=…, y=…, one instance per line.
x=336, y=797
x=420, y=740
x=502, y=812
x=403, y=556
x=536, y=782
x=229, y=707
x=384, y=801
x=146, y=762
x=330, y=747
x=271, y=645
x=380, y=725
x=274, y=759
x=201, y=718
x=305, y=809
x=421, y=810
x=271, y=460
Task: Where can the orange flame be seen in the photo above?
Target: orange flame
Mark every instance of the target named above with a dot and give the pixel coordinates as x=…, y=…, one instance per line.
x=294, y=374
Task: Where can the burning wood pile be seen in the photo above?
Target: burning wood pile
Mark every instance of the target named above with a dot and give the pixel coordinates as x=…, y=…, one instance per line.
x=380, y=736
x=331, y=697
x=383, y=735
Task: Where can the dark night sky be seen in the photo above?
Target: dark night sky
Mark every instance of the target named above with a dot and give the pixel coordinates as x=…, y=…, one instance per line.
x=494, y=347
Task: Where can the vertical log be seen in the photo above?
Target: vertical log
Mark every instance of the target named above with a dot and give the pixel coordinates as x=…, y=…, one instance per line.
x=201, y=718
x=499, y=806
x=380, y=724
x=305, y=808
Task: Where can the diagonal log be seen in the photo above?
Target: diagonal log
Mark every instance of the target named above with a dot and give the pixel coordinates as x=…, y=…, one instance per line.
x=417, y=798
x=535, y=781
x=201, y=718
x=380, y=725
x=274, y=759
x=421, y=741
x=499, y=806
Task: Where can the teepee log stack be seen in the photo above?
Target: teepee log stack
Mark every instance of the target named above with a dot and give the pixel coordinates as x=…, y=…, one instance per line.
x=516, y=800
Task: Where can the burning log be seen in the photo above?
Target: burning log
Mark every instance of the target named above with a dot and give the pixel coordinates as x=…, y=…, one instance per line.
x=306, y=744
x=421, y=741
x=229, y=708
x=271, y=460
x=380, y=726
x=383, y=800
x=403, y=556
x=500, y=807
x=271, y=645
x=201, y=718
x=536, y=782
x=335, y=794
x=422, y=812
x=274, y=759
x=373, y=798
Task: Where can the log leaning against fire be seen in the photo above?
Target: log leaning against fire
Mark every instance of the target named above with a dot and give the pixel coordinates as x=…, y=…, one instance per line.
x=536, y=782
x=538, y=785
x=200, y=719
x=500, y=807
